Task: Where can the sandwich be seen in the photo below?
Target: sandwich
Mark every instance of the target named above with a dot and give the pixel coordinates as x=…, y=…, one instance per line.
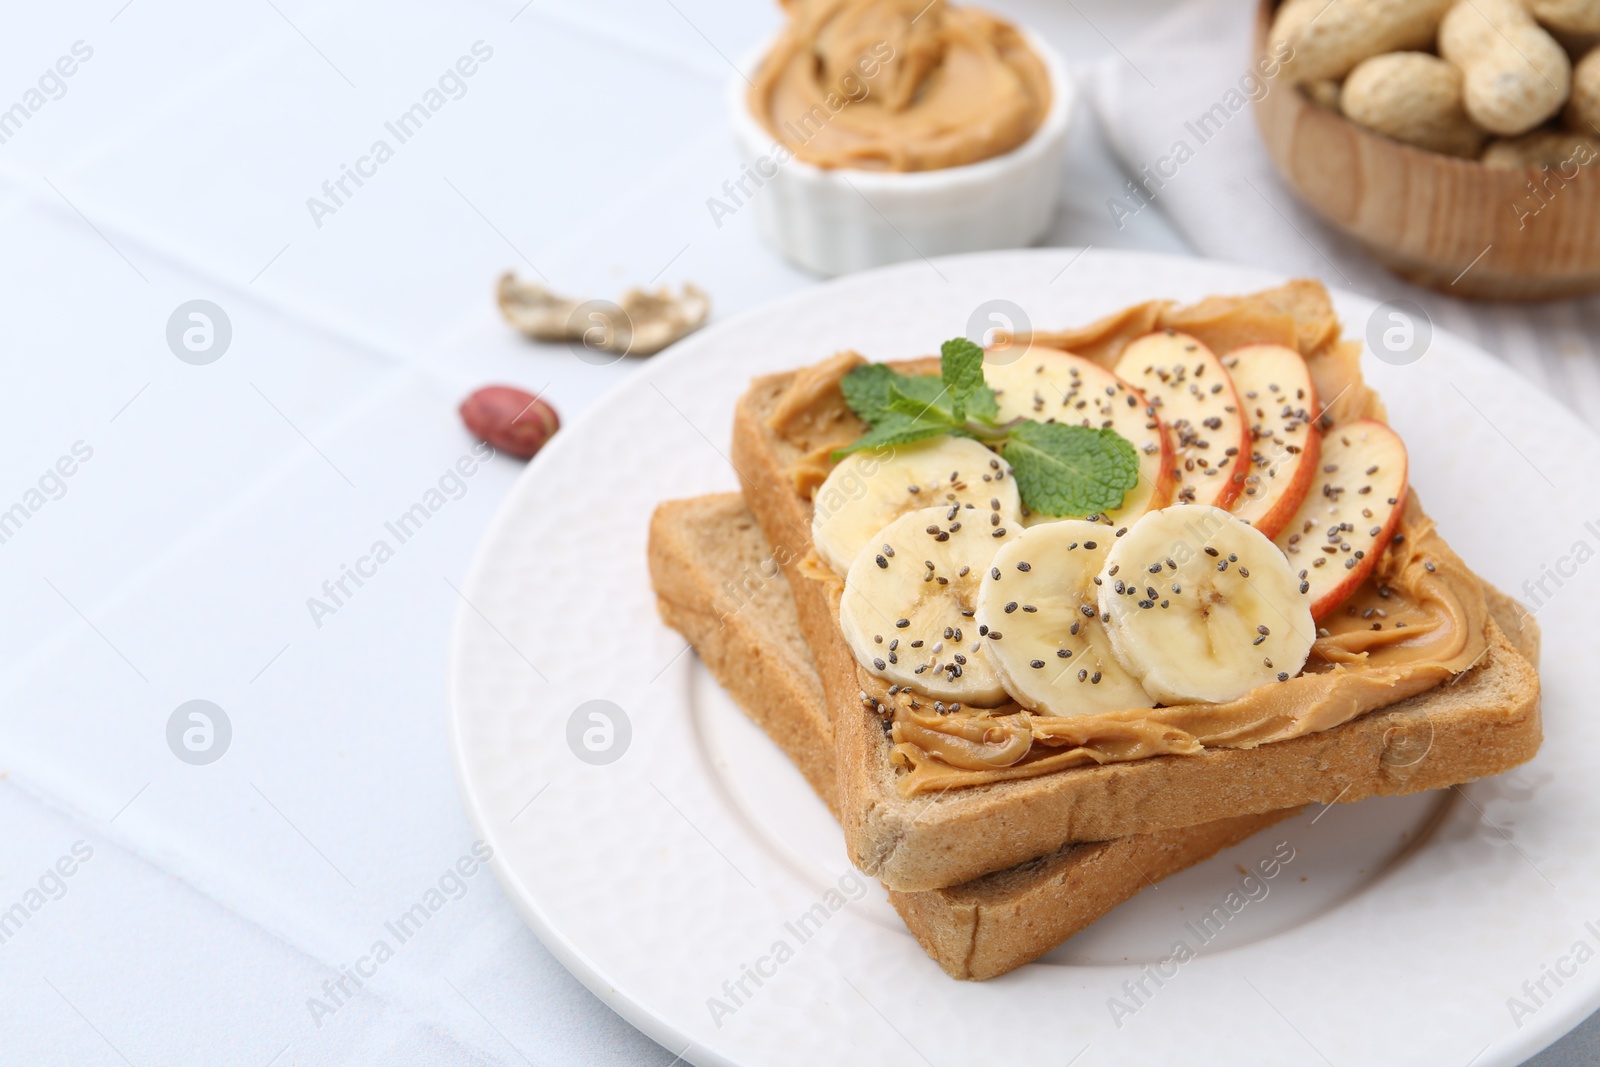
x=1120, y=580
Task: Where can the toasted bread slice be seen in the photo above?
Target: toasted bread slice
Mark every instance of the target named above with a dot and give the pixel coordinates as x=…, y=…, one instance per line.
x=1483, y=722
x=718, y=584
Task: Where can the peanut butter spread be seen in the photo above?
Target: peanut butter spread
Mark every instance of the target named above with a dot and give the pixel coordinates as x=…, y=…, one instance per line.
x=1419, y=620
x=898, y=85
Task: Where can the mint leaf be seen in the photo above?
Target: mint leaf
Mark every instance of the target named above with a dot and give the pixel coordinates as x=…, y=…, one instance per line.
x=924, y=387
x=984, y=405
x=934, y=409
x=1066, y=470
x=961, y=367
x=867, y=390
x=894, y=430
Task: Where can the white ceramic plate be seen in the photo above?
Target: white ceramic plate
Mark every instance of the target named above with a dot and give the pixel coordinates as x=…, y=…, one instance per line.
x=1396, y=935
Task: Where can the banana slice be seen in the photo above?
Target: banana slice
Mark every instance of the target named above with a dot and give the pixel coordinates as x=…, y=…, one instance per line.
x=866, y=491
x=1054, y=386
x=909, y=600
x=1202, y=607
x=1040, y=609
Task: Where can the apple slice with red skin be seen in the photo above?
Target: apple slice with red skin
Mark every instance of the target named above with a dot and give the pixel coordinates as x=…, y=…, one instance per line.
x=1192, y=393
x=1279, y=402
x=1050, y=385
x=1350, y=514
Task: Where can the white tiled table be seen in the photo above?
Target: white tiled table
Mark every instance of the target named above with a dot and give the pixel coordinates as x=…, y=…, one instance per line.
x=218, y=902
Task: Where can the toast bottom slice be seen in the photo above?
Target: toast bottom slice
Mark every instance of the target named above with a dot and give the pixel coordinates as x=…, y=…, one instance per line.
x=718, y=584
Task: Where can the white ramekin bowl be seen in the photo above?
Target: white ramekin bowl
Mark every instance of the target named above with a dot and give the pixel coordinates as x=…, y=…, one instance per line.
x=835, y=221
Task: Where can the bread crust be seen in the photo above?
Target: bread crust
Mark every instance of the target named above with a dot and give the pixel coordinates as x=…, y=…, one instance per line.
x=1483, y=722
x=994, y=924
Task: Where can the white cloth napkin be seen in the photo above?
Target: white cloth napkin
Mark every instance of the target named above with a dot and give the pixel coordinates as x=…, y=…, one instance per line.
x=1229, y=202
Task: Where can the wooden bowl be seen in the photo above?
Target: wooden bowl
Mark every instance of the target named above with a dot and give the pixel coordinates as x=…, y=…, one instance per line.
x=1446, y=223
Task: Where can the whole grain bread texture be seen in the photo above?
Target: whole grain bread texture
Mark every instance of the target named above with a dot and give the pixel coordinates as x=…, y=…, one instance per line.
x=714, y=577
x=1484, y=721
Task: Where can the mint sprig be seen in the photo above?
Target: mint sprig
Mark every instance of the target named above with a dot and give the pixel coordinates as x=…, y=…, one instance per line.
x=1061, y=470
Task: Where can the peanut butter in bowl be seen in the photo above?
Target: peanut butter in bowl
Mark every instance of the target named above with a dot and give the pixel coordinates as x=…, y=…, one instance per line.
x=876, y=131
x=899, y=85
